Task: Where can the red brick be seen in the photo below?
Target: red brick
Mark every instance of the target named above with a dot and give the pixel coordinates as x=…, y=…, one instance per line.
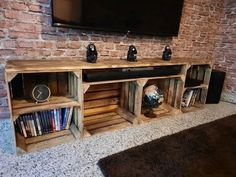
x=22, y=16
x=35, y=8
x=43, y=44
x=74, y=45
x=9, y=44
x=25, y=44
x=43, y=1
x=17, y=6
x=26, y=27
x=2, y=34
x=23, y=35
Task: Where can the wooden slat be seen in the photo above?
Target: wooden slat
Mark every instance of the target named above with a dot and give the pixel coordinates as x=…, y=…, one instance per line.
x=99, y=116
x=100, y=102
x=179, y=92
x=112, y=121
x=86, y=133
x=103, y=87
x=50, y=143
x=199, y=86
x=138, y=98
x=79, y=113
x=75, y=131
x=171, y=91
x=62, y=83
x=100, y=95
x=104, y=119
x=134, y=79
x=195, y=107
x=52, y=83
x=110, y=128
x=47, y=136
x=100, y=110
x=43, y=141
x=127, y=115
x=131, y=96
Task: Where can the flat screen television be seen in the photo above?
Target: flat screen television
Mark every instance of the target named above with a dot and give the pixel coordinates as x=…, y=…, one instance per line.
x=146, y=17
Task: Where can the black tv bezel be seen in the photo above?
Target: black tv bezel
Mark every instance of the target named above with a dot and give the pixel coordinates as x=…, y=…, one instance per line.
x=64, y=25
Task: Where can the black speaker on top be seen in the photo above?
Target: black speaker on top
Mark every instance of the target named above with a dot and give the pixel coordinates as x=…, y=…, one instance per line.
x=215, y=87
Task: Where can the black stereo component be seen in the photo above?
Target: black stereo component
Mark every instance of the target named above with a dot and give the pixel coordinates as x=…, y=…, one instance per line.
x=215, y=86
x=116, y=74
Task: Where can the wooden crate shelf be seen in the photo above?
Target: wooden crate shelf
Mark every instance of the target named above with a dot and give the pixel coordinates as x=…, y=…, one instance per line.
x=203, y=86
x=27, y=106
x=102, y=105
x=44, y=141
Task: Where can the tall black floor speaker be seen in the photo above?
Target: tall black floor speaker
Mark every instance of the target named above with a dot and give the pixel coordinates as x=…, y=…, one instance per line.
x=215, y=87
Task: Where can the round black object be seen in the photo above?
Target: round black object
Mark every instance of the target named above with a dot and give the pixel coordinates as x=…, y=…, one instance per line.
x=153, y=97
x=167, y=53
x=92, y=53
x=41, y=93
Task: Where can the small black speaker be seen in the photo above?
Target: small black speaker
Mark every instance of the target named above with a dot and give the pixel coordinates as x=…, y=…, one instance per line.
x=215, y=87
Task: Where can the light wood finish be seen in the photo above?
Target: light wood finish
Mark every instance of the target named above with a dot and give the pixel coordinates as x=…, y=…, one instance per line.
x=79, y=113
x=101, y=95
x=43, y=141
x=86, y=133
x=131, y=97
x=105, y=122
x=162, y=111
x=171, y=91
x=103, y=105
x=112, y=121
x=100, y=110
x=110, y=128
x=195, y=107
x=103, y=87
x=98, y=116
x=127, y=115
x=46, y=136
x=27, y=106
x=139, y=96
x=85, y=88
x=34, y=66
x=205, y=86
x=101, y=102
x=130, y=80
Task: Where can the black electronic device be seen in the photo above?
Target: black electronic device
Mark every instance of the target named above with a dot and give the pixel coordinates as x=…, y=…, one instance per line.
x=132, y=53
x=92, y=53
x=215, y=86
x=152, y=17
x=167, y=53
x=116, y=74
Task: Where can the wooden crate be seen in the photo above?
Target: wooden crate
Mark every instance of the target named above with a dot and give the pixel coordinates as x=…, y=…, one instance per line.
x=105, y=108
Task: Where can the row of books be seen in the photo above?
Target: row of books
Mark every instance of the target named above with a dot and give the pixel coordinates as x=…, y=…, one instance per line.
x=44, y=122
x=189, y=97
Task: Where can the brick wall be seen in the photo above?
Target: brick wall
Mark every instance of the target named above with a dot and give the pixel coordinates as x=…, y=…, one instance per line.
x=225, y=52
x=26, y=33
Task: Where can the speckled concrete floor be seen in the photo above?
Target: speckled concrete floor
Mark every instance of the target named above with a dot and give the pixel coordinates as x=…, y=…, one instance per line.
x=79, y=159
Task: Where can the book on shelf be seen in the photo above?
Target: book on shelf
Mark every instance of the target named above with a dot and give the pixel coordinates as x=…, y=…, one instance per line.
x=44, y=122
x=189, y=97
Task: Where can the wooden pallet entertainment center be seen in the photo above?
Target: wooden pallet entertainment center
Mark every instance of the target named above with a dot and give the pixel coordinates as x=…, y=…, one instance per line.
x=98, y=106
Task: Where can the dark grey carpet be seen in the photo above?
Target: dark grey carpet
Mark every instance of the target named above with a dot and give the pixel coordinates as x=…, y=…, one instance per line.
x=207, y=150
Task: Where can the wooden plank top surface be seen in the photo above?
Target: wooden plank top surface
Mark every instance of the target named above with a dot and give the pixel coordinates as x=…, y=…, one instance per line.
x=27, y=66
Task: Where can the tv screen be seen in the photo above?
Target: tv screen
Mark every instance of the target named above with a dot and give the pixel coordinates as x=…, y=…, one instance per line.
x=150, y=17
